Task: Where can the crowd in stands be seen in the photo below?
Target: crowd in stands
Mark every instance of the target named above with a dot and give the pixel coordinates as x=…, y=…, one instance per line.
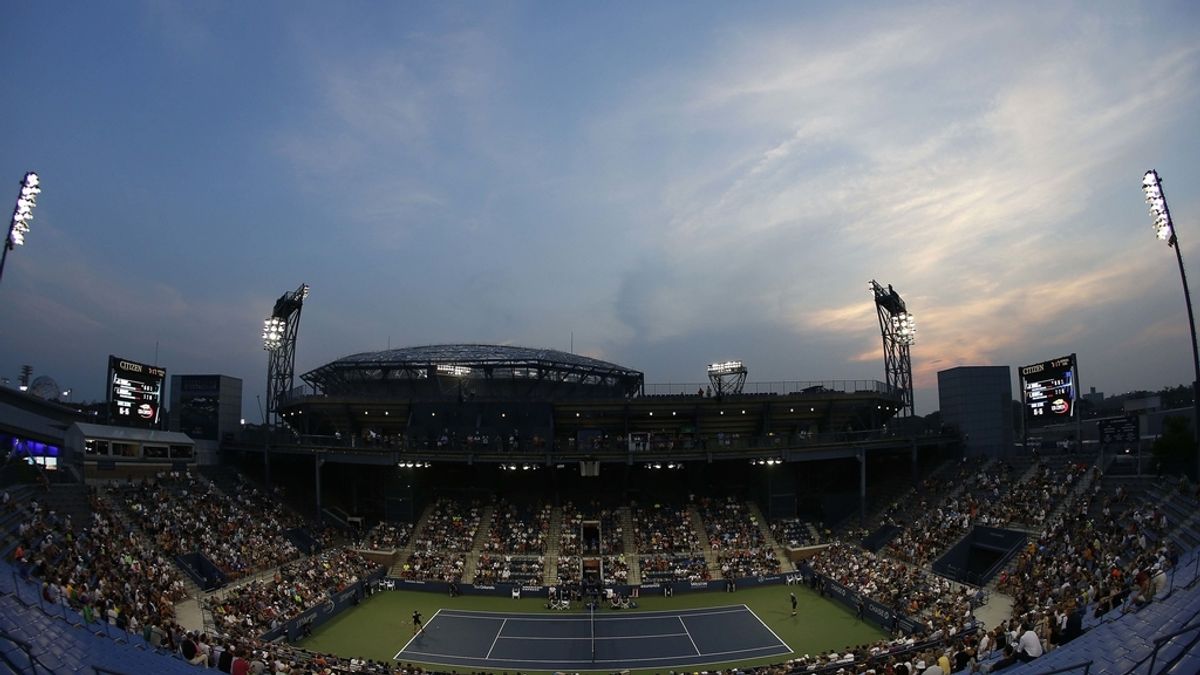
x=434, y=565
x=1031, y=502
x=674, y=567
x=451, y=526
x=503, y=568
x=663, y=528
x=385, y=536
x=612, y=534
x=520, y=531
x=792, y=533
x=107, y=571
x=1105, y=551
x=241, y=534
x=729, y=524
x=248, y=611
x=897, y=585
x=935, y=527
x=734, y=534
x=754, y=562
x=514, y=545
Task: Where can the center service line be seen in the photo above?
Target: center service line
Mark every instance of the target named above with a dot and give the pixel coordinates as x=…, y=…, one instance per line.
x=489, y=654
x=689, y=634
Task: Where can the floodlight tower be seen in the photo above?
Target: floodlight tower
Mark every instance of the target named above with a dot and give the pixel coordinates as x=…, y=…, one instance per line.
x=18, y=226
x=727, y=377
x=899, y=331
x=279, y=339
x=1164, y=228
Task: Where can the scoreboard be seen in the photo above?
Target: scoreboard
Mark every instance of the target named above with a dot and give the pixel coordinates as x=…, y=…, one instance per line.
x=134, y=392
x=1049, y=390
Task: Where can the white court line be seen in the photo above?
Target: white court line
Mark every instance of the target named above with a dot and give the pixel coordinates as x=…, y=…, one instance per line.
x=574, y=616
x=414, y=637
x=639, y=660
x=764, y=625
x=618, y=637
x=489, y=654
x=689, y=634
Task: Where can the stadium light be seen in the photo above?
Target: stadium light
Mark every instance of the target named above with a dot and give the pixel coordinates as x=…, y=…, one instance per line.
x=725, y=367
x=273, y=328
x=727, y=377
x=1164, y=229
x=906, y=328
x=18, y=225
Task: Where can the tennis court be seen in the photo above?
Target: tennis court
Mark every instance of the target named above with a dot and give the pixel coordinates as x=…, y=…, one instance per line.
x=587, y=641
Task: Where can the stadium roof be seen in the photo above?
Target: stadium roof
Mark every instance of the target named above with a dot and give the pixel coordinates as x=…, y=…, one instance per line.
x=471, y=361
x=475, y=354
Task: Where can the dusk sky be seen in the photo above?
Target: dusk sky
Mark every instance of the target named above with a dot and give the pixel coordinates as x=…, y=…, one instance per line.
x=674, y=183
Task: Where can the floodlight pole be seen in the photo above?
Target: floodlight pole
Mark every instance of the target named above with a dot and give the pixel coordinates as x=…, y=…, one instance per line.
x=267, y=424
x=1187, y=297
x=1152, y=186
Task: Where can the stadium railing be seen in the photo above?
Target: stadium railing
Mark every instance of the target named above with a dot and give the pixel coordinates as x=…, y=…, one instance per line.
x=1176, y=651
x=1086, y=665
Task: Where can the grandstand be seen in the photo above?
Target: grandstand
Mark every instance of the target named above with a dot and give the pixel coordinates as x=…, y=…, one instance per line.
x=146, y=563
x=498, y=541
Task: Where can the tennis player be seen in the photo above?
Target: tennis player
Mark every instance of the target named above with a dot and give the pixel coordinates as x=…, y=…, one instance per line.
x=793, y=603
x=417, y=627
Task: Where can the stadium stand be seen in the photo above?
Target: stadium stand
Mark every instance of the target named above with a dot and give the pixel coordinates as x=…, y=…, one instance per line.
x=182, y=513
x=385, y=536
x=1102, y=578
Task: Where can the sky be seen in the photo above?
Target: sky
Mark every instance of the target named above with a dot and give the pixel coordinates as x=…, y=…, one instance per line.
x=667, y=184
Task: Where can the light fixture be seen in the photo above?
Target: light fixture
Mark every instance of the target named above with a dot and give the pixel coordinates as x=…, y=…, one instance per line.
x=273, y=329
x=23, y=212
x=905, y=326
x=725, y=367
x=1163, y=227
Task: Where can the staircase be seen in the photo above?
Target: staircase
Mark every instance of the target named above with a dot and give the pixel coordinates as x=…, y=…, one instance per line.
x=550, y=570
x=631, y=552
x=481, y=536
x=10, y=521
x=710, y=556
x=1081, y=488
x=407, y=551
x=122, y=516
x=780, y=554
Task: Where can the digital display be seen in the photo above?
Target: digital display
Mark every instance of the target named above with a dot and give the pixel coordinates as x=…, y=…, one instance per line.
x=134, y=392
x=1049, y=390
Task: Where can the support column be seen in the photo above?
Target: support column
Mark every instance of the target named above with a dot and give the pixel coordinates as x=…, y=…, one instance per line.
x=317, y=462
x=916, y=471
x=862, y=486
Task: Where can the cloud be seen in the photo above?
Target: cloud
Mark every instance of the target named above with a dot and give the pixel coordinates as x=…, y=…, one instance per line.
x=944, y=156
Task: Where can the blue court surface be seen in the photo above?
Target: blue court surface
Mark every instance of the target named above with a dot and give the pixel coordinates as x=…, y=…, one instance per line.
x=606, y=640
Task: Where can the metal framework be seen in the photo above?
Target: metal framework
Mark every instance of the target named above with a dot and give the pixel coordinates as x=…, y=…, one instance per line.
x=728, y=377
x=487, y=370
x=280, y=343
x=898, y=330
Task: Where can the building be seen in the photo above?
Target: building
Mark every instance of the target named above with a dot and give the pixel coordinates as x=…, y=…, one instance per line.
x=207, y=408
x=978, y=401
